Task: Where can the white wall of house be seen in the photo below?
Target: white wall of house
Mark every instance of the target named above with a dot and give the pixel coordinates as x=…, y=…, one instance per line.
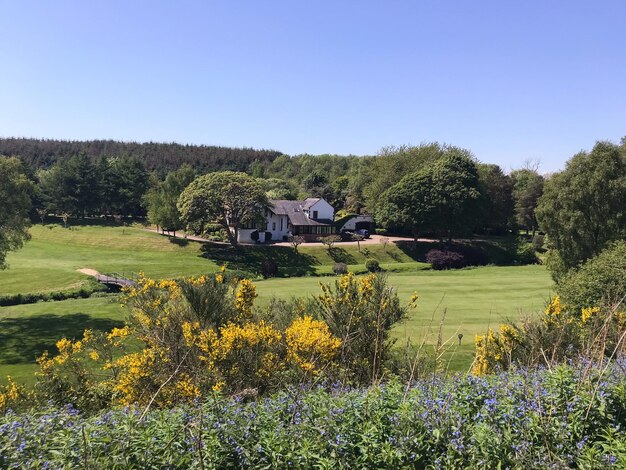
x=244, y=235
x=323, y=209
x=277, y=225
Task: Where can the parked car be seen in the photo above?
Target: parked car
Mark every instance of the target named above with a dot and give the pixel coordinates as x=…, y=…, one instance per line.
x=364, y=233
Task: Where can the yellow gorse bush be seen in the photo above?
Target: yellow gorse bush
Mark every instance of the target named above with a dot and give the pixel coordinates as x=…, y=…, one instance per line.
x=201, y=335
x=495, y=349
x=587, y=313
x=175, y=346
x=13, y=394
x=246, y=293
x=310, y=344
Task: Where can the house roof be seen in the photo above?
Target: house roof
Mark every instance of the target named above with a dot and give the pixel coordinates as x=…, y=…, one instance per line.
x=309, y=202
x=295, y=211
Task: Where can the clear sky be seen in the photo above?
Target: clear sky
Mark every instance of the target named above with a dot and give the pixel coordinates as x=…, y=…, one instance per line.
x=509, y=80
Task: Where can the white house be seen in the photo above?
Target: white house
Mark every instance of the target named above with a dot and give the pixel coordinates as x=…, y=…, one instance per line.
x=311, y=218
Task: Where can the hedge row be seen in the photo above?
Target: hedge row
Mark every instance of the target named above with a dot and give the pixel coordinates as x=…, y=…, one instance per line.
x=31, y=298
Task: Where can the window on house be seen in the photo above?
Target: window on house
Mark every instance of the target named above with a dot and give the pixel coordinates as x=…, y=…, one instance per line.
x=273, y=226
x=281, y=224
x=315, y=214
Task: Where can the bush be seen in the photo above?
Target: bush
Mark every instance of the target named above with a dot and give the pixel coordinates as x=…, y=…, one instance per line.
x=31, y=298
x=238, y=275
x=601, y=281
x=269, y=268
x=340, y=268
x=372, y=265
x=445, y=259
x=268, y=236
x=557, y=420
x=538, y=241
x=254, y=236
x=455, y=256
x=526, y=253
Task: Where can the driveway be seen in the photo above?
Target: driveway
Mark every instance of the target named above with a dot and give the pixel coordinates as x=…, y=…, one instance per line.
x=373, y=240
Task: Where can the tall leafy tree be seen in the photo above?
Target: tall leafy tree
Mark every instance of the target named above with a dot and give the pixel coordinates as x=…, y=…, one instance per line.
x=456, y=191
x=72, y=185
x=228, y=198
x=393, y=163
x=162, y=197
x=497, y=204
x=527, y=189
x=442, y=198
x=15, y=191
x=124, y=181
x=583, y=208
x=408, y=205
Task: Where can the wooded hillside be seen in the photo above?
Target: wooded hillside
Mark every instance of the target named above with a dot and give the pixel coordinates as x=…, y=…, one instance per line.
x=43, y=153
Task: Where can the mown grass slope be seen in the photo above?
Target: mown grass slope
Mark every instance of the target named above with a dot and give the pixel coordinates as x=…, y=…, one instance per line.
x=51, y=259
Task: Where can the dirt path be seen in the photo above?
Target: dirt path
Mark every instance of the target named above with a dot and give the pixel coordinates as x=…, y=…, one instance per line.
x=373, y=240
x=89, y=272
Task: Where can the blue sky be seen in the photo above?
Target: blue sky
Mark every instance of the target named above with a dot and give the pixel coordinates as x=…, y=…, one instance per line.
x=509, y=80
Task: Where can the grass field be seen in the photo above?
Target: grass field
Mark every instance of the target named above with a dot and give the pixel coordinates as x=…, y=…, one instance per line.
x=473, y=299
x=51, y=259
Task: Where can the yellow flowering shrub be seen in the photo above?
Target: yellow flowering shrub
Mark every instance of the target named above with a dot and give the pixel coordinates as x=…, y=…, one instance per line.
x=13, y=395
x=495, y=351
x=360, y=312
x=310, y=344
x=587, y=313
x=246, y=293
x=200, y=335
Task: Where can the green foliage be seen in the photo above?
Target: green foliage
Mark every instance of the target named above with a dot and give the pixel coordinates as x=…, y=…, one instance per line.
x=162, y=197
x=527, y=189
x=72, y=186
x=361, y=312
x=124, y=181
x=497, y=204
x=30, y=298
x=518, y=420
x=526, y=253
x=340, y=268
x=162, y=157
x=15, y=192
x=600, y=281
x=442, y=199
x=229, y=198
x=372, y=265
x=393, y=163
x=582, y=208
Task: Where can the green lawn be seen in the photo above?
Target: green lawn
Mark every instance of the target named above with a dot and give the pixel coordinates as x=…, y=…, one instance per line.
x=26, y=331
x=50, y=260
x=473, y=299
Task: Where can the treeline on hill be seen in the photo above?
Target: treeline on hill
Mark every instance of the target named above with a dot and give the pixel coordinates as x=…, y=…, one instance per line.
x=162, y=157
x=131, y=179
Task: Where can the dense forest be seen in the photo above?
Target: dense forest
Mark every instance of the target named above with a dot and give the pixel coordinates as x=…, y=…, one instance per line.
x=162, y=157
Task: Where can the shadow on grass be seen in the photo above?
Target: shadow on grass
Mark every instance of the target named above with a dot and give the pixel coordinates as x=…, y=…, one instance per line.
x=500, y=251
x=23, y=340
x=340, y=255
x=76, y=222
x=178, y=241
x=250, y=258
x=417, y=252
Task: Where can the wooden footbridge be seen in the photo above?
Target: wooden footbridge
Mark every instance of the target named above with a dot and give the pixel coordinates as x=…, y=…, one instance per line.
x=117, y=279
